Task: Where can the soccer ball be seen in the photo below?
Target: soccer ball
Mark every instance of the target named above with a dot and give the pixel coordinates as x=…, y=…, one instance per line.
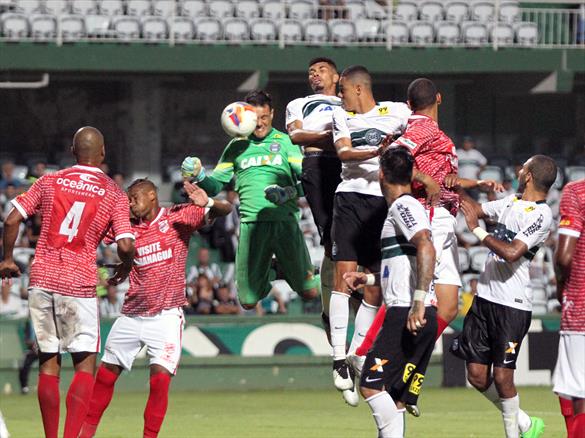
x=238, y=119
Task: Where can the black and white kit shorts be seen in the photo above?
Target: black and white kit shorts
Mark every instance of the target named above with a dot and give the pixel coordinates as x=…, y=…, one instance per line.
x=358, y=220
x=492, y=334
x=398, y=360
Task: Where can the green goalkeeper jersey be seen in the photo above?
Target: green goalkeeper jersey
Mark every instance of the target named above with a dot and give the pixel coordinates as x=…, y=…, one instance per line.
x=258, y=163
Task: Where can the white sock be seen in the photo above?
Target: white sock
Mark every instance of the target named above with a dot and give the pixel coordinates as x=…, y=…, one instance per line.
x=327, y=277
x=510, y=407
x=524, y=422
x=389, y=420
x=338, y=319
x=363, y=320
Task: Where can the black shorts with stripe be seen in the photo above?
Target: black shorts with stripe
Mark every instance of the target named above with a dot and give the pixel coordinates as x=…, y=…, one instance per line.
x=320, y=178
x=492, y=334
x=398, y=360
x=358, y=220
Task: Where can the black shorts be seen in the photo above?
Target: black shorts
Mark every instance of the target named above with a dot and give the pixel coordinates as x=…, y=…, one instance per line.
x=320, y=178
x=492, y=334
x=357, y=226
x=398, y=360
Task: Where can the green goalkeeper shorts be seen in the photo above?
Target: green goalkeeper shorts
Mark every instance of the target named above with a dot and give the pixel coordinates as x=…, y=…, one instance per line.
x=259, y=241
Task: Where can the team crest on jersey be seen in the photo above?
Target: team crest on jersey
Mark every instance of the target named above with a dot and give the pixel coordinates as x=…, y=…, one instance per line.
x=383, y=111
x=373, y=137
x=274, y=147
x=163, y=226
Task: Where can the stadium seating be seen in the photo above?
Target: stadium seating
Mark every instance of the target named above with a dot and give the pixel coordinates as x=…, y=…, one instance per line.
x=154, y=29
x=43, y=27
x=236, y=29
x=183, y=29
x=477, y=256
x=126, y=28
x=492, y=172
x=464, y=260
x=263, y=30
x=417, y=22
x=72, y=27
x=208, y=29
x=574, y=173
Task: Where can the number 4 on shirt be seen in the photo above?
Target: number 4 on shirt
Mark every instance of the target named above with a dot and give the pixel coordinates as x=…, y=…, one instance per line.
x=70, y=224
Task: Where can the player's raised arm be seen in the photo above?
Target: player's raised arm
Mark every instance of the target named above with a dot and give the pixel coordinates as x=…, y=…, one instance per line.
x=223, y=173
x=342, y=140
x=199, y=197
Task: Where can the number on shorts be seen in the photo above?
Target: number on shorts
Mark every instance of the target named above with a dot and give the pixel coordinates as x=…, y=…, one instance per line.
x=70, y=224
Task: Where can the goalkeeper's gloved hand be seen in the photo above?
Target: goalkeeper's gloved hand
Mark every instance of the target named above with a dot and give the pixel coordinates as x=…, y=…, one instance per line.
x=280, y=195
x=191, y=168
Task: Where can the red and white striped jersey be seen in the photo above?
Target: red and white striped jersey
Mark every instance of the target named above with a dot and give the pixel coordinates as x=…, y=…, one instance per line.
x=572, y=224
x=434, y=154
x=157, y=280
x=78, y=205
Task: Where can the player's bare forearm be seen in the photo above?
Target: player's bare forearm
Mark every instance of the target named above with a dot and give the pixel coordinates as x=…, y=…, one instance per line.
x=563, y=260
x=302, y=137
x=220, y=208
x=356, y=280
x=487, y=185
x=125, y=248
x=346, y=152
x=432, y=188
x=470, y=203
x=510, y=252
x=425, y=259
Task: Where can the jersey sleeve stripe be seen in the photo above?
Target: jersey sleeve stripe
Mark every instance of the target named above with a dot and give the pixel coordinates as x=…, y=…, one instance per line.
x=20, y=208
x=295, y=160
x=223, y=166
x=569, y=232
x=125, y=236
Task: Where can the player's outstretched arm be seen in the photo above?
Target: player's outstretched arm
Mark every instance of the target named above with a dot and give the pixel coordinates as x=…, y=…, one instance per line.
x=8, y=268
x=452, y=181
x=425, y=267
x=200, y=198
x=304, y=137
x=355, y=280
x=346, y=152
x=509, y=251
x=432, y=188
x=191, y=167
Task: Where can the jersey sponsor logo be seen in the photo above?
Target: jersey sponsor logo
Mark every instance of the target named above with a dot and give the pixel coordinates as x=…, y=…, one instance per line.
x=407, y=142
x=529, y=209
x=369, y=380
x=566, y=221
x=379, y=365
x=326, y=108
x=406, y=216
x=537, y=225
x=386, y=273
x=86, y=183
x=262, y=160
x=152, y=253
x=506, y=362
x=383, y=111
x=274, y=147
x=373, y=137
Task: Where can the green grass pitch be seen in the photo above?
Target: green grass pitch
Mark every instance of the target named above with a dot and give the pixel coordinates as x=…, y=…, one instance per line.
x=446, y=413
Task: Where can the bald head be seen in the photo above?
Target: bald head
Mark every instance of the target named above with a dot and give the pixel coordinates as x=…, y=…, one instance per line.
x=88, y=146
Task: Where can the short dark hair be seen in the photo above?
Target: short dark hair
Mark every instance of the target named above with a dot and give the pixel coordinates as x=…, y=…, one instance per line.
x=259, y=98
x=357, y=71
x=397, y=164
x=140, y=182
x=544, y=172
x=323, y=59
x=421, y=94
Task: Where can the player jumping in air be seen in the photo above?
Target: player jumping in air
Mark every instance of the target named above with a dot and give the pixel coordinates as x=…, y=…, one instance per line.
x=501, y=312
x=395, y=366
x=79, y=205
x=153, y=308
x=308, y=120
x=569, y=375
x=264, y=160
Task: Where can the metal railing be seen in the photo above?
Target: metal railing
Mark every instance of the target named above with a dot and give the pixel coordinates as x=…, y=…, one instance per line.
x=335, y=26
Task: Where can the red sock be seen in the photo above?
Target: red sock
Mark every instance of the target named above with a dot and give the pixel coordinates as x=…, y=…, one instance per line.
x=567, y=411
x=579, y=426
x=77, y=403
x=368, y=341
x=156, y=407
x=441, y=326
x=48, y=394
x=103, y=391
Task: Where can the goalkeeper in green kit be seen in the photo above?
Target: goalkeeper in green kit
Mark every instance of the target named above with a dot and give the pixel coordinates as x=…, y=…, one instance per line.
x=267, y=166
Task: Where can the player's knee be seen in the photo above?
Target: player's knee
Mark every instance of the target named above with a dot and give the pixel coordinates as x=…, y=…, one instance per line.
x=504, y=381
x=478, y=380
x=368, y=392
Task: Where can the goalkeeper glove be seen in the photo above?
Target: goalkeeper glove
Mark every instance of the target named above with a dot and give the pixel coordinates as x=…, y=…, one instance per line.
x=191, y=168
x=280, y=195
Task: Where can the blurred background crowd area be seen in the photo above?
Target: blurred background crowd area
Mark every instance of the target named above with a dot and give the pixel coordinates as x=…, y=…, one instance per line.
x=210, y=272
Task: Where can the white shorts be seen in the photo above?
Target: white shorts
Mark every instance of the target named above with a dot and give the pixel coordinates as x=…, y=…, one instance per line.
x=162, y=334
x=64, y=324
x=445, y=243
x=569, y=375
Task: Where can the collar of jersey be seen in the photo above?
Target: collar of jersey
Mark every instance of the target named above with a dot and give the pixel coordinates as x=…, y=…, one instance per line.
x=518, y=197
x=254, y=138
x=148, y=224
x=90, y=168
